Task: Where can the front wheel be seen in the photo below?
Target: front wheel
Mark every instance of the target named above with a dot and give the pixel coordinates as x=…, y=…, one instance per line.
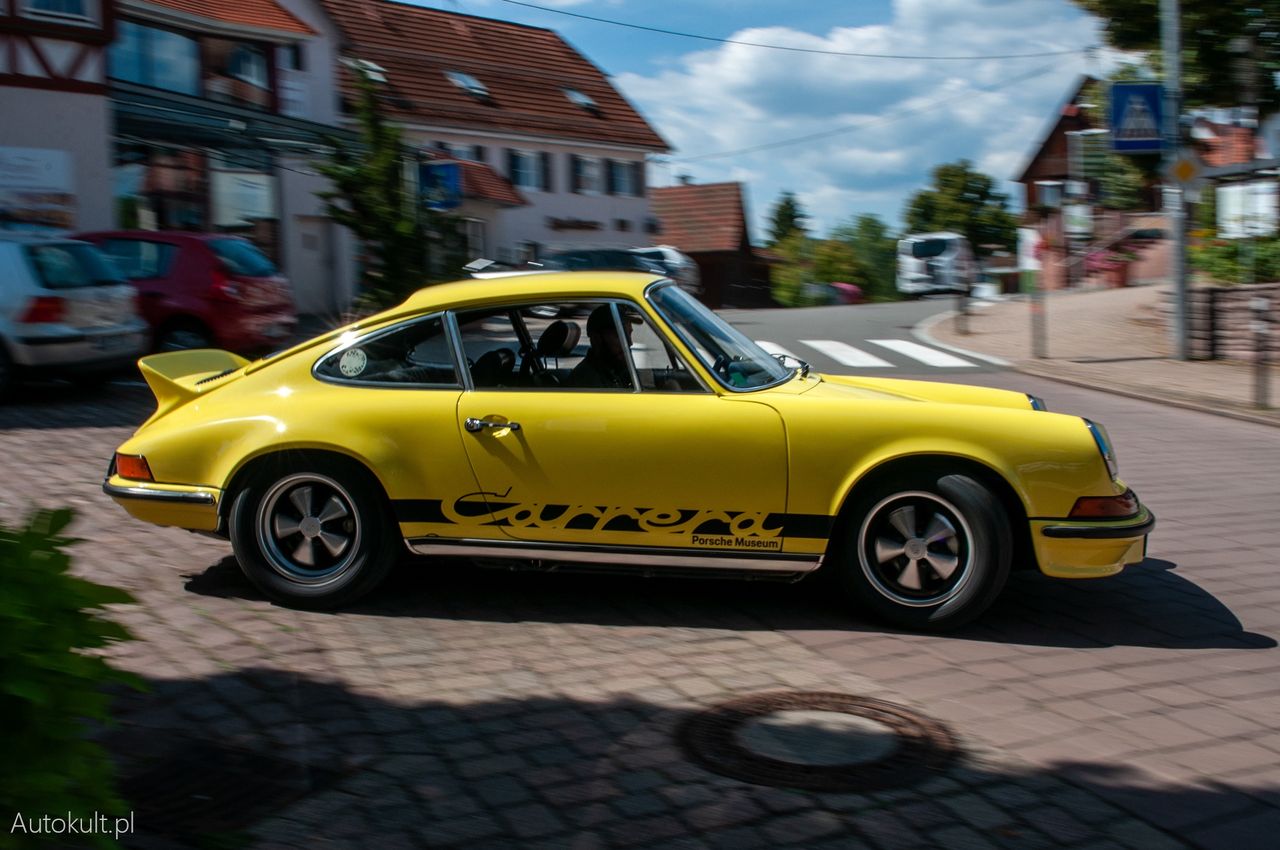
x=928, y=553
x=314, y=538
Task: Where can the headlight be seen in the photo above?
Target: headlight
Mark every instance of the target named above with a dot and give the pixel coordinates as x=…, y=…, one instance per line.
x=1036, y=402
x=1103, y=442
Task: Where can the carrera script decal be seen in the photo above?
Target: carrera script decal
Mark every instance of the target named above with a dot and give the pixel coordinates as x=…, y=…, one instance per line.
x=704, y=527
x=718, y=529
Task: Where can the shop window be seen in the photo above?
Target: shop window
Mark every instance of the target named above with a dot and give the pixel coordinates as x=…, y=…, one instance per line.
x=75, y=11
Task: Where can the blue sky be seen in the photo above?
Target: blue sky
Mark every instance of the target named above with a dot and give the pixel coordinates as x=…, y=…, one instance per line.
x=884, y=124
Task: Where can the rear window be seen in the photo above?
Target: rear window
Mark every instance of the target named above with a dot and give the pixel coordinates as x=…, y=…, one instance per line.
x=70, y=265
x=140, y=258
x=929, y=248
x=242, y=258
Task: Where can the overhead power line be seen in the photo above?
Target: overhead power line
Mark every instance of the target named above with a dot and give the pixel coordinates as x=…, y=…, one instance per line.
x=789, y=49
x=870, y=122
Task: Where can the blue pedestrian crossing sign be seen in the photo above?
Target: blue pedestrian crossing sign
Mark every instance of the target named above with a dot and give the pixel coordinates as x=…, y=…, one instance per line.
x=1137, y=110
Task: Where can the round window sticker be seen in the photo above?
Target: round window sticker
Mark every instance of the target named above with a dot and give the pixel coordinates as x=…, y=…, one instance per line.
x=353, y=362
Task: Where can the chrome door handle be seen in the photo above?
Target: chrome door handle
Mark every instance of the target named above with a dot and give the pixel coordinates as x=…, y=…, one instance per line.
x=476, y=425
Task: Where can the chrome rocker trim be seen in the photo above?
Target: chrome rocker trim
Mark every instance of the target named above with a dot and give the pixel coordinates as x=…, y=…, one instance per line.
x=148, y=494
x=639, y=556
x=1101, y=532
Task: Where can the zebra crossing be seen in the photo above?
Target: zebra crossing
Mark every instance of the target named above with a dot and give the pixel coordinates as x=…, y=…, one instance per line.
x=910, y=354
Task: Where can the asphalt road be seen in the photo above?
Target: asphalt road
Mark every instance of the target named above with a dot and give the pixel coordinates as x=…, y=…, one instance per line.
x=457, y=707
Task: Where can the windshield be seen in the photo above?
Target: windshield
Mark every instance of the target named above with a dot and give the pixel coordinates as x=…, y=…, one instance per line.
x=735, y=360
x=242, y=258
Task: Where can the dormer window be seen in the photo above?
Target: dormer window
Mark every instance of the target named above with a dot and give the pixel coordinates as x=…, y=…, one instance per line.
x=468, y=84
x=371, y=70
x=581, y=99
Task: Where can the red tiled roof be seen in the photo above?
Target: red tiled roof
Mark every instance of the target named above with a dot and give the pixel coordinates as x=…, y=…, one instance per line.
x=1229, y=145
x=263, y=14
x=701, y=217
x=525, y=70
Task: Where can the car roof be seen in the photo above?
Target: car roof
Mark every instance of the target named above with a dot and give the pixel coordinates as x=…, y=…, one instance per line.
x=162, y=234
x=549, y=285
x=36, y=238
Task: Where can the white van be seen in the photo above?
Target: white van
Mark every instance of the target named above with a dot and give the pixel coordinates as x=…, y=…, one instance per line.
x=934, y=262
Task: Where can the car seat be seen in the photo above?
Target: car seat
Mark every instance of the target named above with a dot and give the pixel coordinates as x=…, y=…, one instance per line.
x=493, y=369
x=559, y=339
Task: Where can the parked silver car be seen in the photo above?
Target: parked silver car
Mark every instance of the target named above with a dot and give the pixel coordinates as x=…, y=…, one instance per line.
x=679, y=266
x=64, y=310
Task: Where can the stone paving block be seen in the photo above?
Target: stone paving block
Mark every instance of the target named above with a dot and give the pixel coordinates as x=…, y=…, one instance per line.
x=975, y=811
x=532, y=820
x=1139, y=836
x=960, y=837
x=800, y=829
x=463, y=829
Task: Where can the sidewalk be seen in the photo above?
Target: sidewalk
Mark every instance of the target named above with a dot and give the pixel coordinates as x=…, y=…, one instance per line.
x=1113, y=340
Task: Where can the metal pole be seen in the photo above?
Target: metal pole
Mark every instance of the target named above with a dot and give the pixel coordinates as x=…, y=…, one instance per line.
x=1261, y=378
x=1175, y=206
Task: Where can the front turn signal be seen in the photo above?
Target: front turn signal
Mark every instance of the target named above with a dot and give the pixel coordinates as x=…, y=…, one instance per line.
x=1105, y=507
x=133, y=467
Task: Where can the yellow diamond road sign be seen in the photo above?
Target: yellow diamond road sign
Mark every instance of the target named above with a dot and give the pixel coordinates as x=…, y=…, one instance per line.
x=1186, y=168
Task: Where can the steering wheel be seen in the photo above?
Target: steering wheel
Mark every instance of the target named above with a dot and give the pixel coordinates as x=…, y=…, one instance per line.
x=721, y=366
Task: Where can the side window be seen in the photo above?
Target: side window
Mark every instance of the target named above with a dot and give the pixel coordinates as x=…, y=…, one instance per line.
x=492, y=346
x=416, y=353
x=658, y=367
x=138, y=259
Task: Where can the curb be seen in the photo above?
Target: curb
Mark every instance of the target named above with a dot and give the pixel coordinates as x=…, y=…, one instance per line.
x=1029, y=367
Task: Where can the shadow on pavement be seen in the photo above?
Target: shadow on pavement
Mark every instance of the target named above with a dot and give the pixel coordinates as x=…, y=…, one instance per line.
x=64, y=405
x=1145, y=606
x=306, y=762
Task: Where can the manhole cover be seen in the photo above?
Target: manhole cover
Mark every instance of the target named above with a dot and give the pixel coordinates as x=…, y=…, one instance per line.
x=207, y=787
x=817, y=742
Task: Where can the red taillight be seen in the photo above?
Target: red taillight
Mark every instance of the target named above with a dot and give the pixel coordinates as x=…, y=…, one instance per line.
x=1105, y=507
x=45, y=309
x=134, y=467
x=224, y=286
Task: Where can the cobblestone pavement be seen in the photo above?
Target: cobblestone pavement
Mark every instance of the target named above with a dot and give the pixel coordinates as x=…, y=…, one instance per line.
x=457, y=707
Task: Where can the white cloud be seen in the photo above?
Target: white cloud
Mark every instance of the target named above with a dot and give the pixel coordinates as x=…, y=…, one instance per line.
x=902, y=117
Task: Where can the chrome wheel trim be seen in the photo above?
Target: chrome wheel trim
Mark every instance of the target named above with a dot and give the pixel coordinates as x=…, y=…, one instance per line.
x=912, y=557
x=308, y=529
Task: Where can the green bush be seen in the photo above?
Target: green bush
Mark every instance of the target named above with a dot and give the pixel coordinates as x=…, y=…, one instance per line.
x=51, y=690
x=1238, y=260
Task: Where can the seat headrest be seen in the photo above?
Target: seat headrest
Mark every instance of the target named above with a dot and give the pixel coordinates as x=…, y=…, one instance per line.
x=559, y=339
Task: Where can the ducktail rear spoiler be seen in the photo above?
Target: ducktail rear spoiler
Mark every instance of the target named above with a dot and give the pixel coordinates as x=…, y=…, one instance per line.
x=179, y=376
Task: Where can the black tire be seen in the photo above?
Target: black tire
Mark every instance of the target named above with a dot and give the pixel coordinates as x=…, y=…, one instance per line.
x=8, y=374
x=331, y=512
x=183, y=335
x=926, y=553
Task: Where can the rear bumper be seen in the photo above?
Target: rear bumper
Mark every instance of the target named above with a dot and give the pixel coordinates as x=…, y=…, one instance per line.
x=181, y=505
x=1067, y=549
x=79, y=351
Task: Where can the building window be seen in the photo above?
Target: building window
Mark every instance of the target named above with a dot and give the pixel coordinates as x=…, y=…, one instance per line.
x=77, y=10
x=468, y=84
x=622, y=225
x=586, y=175
x=473, y=230
x=620, y=178
x=249, y=64
x=289, y=57
x=155, y=57
x=529, y=169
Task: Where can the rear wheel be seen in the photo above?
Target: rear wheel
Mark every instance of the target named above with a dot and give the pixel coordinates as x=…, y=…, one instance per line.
x=927, y=553
x=8, y=375
x=314, y=538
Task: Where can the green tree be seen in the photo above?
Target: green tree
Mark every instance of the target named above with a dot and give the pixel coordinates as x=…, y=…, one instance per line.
x=964, y=200
x=875, y=252
x=1213, y=73
x=834, y=259
x=789, y=277
x=787, y=218
x=407, y=244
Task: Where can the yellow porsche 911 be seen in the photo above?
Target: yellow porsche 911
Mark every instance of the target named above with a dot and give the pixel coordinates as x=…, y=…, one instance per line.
x=610, y=419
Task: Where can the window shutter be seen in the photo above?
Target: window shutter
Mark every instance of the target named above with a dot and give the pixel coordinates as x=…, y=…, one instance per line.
x=575, y=173
x=546, y=171
x=610, y=187
x=511, y=165
x=637, y=178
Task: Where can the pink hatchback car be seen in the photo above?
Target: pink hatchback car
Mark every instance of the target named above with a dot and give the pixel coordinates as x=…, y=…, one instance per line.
x=203, y=290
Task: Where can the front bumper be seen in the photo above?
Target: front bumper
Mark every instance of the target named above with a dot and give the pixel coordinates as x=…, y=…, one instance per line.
x=1090, y=549
x=181, y=505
